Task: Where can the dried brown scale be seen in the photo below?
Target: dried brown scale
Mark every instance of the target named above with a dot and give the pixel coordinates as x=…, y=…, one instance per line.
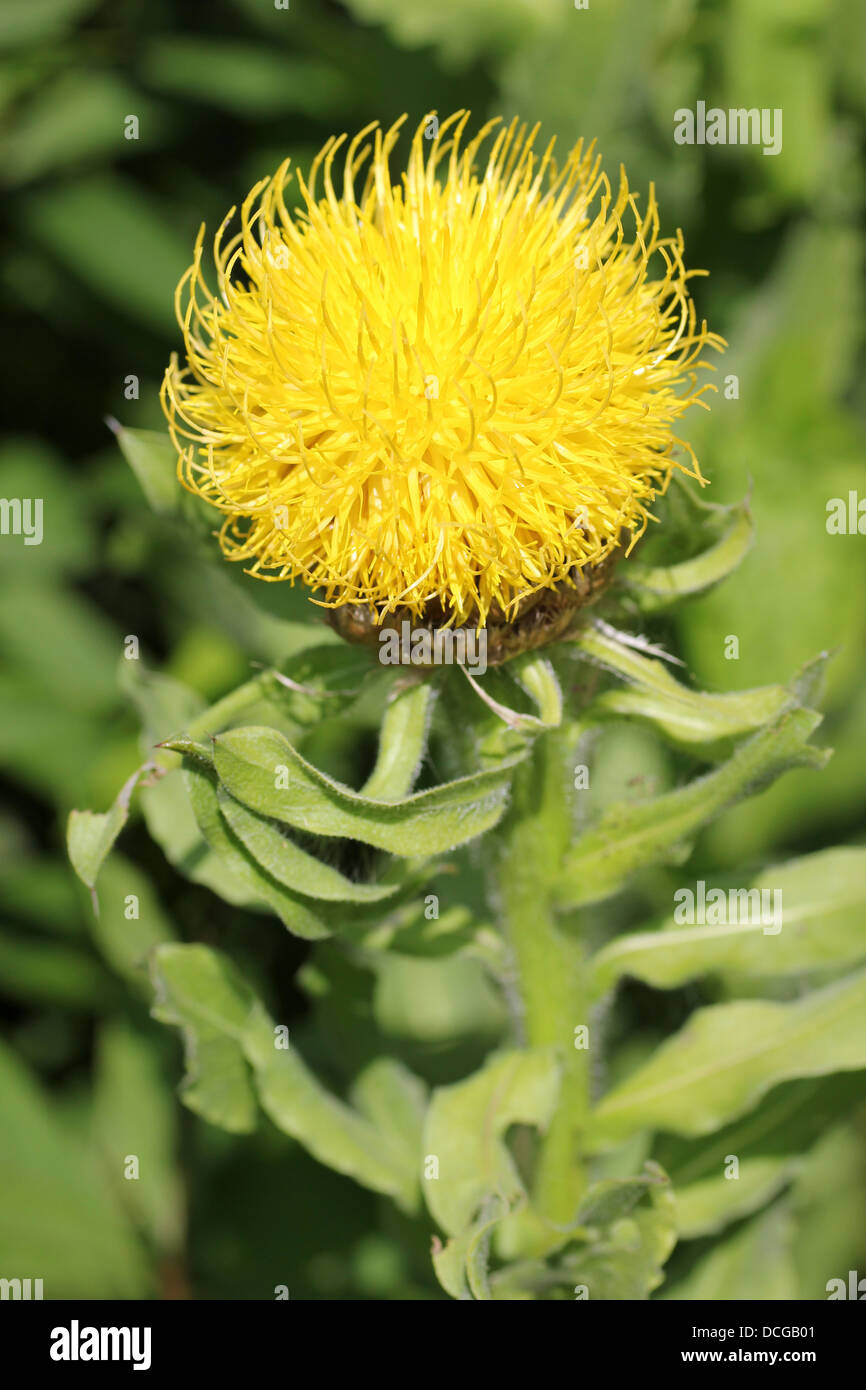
x=542, y=617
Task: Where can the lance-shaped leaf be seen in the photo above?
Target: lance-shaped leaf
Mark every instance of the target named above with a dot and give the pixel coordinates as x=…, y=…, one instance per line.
x=628, y=1258
x=333, y=1132
x=617, y=1247
x=476, y=1184
x=199, y=990
x=153, y=459
x=613, y=1198
x=133, y=1112
x=60, y=1220
x=461, y=1264
x=293, y=910
x=819, y=906
x=464, y=1132
x=693, y=719
x=260, y=768
x=729, y=1055
x=657, y=589
x=130, y=922
x=291, y=866
x=402, y=740
x=755, y=1263
x=165, y=705
x=537, y=678
x=630, y=836
x=394, y=1100
x=172, y=823
x=768, y=1144
x=91, y=834
x=708, y=1206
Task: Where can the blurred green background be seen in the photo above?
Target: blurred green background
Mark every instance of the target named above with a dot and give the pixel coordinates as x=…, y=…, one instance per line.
x=96, y=230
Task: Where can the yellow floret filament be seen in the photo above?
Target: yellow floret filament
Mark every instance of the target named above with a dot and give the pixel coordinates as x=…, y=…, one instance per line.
x=457, y=386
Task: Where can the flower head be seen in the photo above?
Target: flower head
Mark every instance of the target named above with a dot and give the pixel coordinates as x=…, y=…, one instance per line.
x=456, y=389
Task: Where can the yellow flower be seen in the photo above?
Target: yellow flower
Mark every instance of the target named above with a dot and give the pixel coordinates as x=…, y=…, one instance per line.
x=460, y=387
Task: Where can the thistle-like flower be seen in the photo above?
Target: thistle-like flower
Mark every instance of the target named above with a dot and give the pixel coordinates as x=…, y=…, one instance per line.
x=447, y=395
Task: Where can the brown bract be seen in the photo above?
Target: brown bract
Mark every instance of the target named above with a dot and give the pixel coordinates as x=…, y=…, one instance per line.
x=541, y=618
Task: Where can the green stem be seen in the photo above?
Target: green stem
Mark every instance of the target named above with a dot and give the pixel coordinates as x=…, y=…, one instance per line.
x=549, y=961
x=216, y=717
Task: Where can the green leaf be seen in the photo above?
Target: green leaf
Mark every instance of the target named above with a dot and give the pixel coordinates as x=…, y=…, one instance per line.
x=200, y=993
x=79, y=115
x=130, y=921
x=656, y=589
x=613, y=1198
x=331, y=1131
x=464, y=1131
x=246, y=79
x=627, y=1260
x=134, y=1116
x=537, y=679
x=292, y=909
x=102, y=228
x=690, y=718
x=249, y=763
x=823, y=916
x=394, y=1100
x=704, y=1208
x=402, y=741
x=59, y=1220
x=770, y=1144
x=165, y=705
x=436, y=1000
x=162, y=703
x=755, y=1263
x=171, y=821
x=153, y=459
x=40, y=20
x=321, y=682
x=460, y=29
x=615, y=1246
x=461, y=1263
x=409, y=930
x=728, y=1055
x=630, y=836
x=34, y=970
x=91, y=834
x=198, y=988
x=291, y=866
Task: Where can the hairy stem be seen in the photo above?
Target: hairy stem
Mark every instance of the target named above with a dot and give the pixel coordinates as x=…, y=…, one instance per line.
x=549, y=961
x=216, y=717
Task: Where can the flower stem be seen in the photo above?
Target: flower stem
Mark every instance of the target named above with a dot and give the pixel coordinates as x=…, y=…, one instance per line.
x=216, y=717
x=549, y=961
